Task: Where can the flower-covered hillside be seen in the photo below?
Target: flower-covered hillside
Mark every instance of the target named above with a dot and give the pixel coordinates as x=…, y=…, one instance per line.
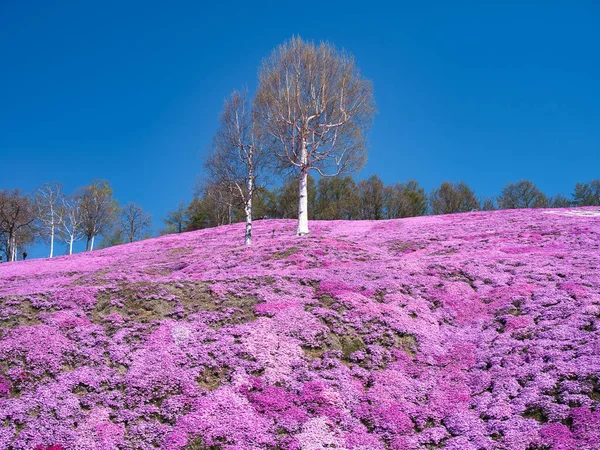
x=471, y=331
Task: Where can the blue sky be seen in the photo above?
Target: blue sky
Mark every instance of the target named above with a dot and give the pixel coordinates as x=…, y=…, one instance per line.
x=485, y=92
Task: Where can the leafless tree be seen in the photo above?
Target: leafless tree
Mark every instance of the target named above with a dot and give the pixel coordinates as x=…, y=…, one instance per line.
x=71, y=224
x=17, y=217
x=224, y=201
x=236, y=159
x=314, y=103
x=98, y=210
x=134, y=221
x=48, y=199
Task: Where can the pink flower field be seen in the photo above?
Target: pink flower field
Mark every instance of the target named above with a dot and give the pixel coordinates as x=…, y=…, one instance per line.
x=463, y=332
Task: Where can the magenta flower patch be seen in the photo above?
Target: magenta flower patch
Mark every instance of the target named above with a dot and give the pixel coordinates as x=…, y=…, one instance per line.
x=472, y=331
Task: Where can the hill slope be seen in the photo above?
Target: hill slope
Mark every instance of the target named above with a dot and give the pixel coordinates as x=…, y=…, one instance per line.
x=471, y=331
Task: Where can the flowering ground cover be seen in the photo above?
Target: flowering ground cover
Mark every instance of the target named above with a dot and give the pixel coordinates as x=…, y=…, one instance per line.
x=470, y=331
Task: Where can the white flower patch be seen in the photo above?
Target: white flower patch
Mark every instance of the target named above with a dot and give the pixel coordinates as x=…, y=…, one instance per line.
x=180, y=334
x=318, y=433
x=576, y=212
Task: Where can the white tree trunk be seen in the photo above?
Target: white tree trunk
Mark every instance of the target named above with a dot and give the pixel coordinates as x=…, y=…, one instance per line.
x=303, y=203
x=303, y=192
x=52, y=241
x=92, y=243
x=248, y=209
x=71, y=245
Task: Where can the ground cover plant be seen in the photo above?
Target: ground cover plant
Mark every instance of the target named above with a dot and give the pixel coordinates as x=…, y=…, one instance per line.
x=468, y=331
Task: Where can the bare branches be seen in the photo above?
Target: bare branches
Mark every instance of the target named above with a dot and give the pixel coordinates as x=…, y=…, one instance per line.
x=70, y=227
x=236, y=159
x=134, y=221
x=316, y=106
x=17, y=217
x=47, y=202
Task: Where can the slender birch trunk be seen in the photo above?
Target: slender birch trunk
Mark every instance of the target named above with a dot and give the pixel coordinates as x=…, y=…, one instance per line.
x=71, y=244
x=303, y=193
x=248, y=235
x=92, y=243
x=14, y=249
x=52, y=241
x=9, y=249
x=248, y=210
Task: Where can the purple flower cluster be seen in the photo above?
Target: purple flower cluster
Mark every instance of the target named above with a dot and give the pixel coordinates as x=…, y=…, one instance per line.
x=476, y=331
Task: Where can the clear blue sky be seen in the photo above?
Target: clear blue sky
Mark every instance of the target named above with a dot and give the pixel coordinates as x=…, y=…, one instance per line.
x=485, y=92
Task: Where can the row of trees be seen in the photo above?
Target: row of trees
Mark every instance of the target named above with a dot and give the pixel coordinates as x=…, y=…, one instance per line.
x=51, y=215
x=342, y=198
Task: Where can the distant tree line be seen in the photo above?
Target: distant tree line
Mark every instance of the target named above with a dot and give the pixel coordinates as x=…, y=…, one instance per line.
x=51, y=215
x=342, y=198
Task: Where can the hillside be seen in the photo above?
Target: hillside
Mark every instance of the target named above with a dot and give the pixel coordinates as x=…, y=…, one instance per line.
x=470, y=331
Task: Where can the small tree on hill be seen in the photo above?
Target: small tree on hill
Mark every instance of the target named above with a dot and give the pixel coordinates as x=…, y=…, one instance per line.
x=175, y=222
x=560, y=201
x=587, y=194
x=405, y=200
x=372, y=198
x=315, y=105
x=134, y=222
x=488, y=204
x=337, y=199
x=70, y=226
x=98, y=210
x=452, y=198
x=522, y=194
x=17, y=216
x=48, y=199
x=237, y=158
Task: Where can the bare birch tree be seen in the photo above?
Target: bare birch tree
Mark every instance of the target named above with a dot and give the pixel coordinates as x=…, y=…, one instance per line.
x=17, y=217
x=236, y=159
x=313, y=101
x=71, y=226
x=134, y=222
x=47, y=203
